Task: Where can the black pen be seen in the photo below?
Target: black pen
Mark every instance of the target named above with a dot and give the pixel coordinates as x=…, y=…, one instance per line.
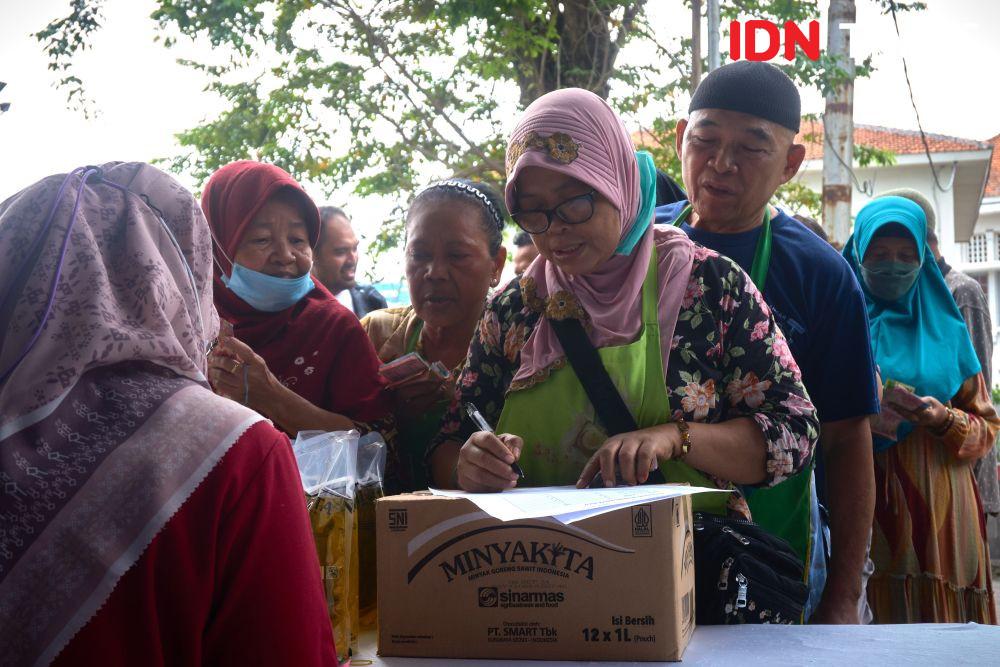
x=482, y=425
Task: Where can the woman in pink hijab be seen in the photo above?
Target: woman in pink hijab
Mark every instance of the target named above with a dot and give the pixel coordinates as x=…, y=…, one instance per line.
x=714, y=395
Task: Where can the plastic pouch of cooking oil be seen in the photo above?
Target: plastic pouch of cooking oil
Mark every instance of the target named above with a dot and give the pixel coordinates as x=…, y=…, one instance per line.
x=369, y=488
x=328, y=467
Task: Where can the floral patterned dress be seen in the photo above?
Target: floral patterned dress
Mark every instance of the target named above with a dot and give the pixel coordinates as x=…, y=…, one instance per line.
x=728, y=359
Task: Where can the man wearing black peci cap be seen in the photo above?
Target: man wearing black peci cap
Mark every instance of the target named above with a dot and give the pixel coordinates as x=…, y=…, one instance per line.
x=737, y=146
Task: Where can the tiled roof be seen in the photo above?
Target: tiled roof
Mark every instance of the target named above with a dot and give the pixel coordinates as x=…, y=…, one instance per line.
x=993, y=182
x=900, y=142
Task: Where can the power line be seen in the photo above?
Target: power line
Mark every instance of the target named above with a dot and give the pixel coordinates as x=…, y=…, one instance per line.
x=864, y=187
x=906, y=73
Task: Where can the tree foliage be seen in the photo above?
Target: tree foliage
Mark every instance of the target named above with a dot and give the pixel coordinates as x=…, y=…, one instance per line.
x=383, y=94
x=64, y=38
x=379, y=94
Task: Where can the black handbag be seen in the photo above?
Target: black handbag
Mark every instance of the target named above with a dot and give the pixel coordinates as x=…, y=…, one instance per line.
x=743, y=574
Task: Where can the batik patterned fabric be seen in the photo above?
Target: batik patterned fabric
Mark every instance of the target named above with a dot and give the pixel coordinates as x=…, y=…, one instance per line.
x=929, y=541
x=975, y=311
x=107, y=425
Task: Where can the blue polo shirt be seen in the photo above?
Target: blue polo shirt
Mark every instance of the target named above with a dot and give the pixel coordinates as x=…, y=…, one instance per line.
x=817, y=302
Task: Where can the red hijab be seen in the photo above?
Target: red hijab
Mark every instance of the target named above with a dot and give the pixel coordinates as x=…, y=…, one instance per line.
x=317, y=347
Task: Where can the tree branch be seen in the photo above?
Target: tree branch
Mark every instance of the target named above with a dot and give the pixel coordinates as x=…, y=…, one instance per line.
x=358, y=21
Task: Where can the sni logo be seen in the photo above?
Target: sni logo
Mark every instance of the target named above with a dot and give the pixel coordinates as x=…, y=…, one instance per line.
x=397, y=520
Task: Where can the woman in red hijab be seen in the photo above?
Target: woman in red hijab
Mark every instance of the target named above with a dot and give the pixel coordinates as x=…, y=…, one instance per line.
x=296, y=355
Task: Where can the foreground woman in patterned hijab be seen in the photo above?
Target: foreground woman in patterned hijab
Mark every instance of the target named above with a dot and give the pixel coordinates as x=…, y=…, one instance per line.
x=143, y=519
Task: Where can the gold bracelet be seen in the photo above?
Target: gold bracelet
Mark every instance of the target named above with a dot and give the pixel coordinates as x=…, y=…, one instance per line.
x=685, y=431
x=942, y=431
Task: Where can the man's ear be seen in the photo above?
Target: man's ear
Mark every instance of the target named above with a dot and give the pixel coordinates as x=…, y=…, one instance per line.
x=793, y=160
x=679, y=135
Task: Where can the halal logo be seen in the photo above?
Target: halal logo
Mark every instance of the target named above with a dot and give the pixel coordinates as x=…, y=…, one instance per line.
x=488, y=597
x=688, y=558
x=642, y=521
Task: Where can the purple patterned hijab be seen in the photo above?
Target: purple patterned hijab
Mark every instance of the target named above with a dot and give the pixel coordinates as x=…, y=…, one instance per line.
x=106, y=422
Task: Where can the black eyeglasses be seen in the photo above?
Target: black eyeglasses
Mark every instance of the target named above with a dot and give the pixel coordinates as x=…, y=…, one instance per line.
x=574, y=211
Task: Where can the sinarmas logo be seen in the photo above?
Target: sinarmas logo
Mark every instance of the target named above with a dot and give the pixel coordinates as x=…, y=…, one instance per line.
x=488, y=596
x=491, y=596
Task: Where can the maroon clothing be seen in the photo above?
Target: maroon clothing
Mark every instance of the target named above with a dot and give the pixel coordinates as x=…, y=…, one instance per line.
x=232, y=578
x=317, y=347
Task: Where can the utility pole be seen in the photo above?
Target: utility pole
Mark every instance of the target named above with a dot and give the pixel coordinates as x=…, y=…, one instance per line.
x=695, y=44
x=714, y=58
x=838, y=127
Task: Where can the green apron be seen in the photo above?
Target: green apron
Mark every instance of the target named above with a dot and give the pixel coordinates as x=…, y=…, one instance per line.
x=784, y=509
x=416, y=435
x=560, y=428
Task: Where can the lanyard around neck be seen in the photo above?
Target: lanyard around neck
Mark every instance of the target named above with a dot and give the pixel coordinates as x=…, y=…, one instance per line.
x=761, y=256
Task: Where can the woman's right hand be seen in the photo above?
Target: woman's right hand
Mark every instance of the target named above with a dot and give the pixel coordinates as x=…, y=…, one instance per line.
x=484, y=462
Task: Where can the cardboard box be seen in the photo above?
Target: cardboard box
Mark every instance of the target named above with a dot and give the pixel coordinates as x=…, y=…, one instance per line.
x=454, y=582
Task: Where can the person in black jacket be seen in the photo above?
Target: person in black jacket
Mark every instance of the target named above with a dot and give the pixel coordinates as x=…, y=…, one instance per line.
x=335, y=261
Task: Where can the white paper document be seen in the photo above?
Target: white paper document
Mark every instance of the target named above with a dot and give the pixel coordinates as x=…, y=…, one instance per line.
x=567, y=503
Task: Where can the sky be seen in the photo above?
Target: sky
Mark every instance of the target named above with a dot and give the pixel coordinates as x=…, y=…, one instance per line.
x=145, y=97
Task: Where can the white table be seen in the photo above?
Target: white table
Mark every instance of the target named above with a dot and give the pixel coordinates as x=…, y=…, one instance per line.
x=773, y=645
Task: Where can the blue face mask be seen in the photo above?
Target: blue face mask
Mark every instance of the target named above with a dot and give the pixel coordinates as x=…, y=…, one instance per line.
x=267, y=293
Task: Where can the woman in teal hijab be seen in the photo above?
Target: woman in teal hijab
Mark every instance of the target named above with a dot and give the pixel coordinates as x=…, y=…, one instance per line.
x=928, y=541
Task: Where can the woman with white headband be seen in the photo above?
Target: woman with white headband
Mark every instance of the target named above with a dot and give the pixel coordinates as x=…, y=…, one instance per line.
x=453, y=257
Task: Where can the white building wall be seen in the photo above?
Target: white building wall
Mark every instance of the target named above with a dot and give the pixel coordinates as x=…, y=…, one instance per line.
x=878, y=180
x=989, y=226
